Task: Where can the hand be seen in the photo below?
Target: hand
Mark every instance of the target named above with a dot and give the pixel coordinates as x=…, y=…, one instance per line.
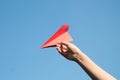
x=68, y=50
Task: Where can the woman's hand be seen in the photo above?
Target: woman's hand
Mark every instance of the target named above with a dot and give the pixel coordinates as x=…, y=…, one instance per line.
x=68, y=50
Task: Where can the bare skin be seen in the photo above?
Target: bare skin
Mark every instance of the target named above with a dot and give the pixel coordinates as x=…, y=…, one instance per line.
x=71, y=52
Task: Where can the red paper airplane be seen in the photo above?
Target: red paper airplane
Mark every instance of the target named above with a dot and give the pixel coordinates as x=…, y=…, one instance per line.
x=59, y=36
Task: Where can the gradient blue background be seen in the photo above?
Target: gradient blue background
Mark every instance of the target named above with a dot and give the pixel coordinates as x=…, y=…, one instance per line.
x=26, y=24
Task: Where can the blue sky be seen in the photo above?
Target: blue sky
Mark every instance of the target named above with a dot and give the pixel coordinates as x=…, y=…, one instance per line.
x=26, y=24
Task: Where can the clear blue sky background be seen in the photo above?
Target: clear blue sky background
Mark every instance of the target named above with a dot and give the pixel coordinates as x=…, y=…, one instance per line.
x=26, y=24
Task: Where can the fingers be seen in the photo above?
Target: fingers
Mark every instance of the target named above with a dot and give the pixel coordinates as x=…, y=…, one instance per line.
x=58, y=47
x=68, y=44
x=65, y=43
x=61, y=48
x=64, y=48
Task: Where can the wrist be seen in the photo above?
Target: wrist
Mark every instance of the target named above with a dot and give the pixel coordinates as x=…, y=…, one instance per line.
x=80, y=57
x=77, y=57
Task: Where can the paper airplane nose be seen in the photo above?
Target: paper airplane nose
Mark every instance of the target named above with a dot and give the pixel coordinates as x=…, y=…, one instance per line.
x=60, y=36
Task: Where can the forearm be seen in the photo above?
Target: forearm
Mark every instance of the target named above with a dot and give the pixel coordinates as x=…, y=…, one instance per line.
x=94, y=71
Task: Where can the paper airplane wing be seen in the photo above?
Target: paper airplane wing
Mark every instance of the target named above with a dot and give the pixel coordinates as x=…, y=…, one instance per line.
x=59, y=36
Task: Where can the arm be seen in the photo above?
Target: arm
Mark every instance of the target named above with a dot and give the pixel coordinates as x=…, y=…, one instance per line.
x=73, y=53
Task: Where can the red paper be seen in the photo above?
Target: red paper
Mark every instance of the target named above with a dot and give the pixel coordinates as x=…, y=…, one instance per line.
x=59, y=36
